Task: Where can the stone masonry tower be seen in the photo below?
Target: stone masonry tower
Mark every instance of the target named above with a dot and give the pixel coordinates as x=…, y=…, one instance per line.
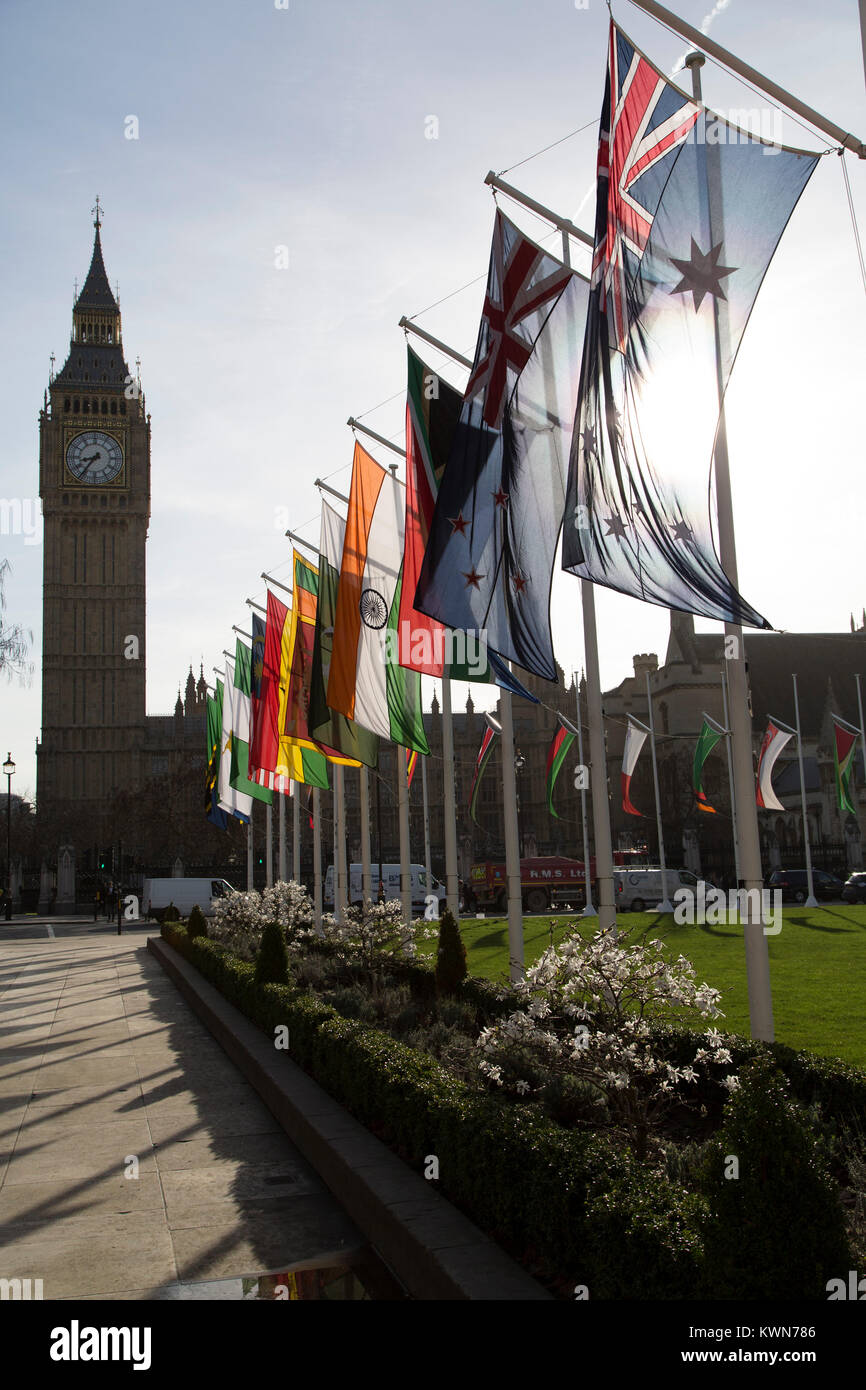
x=94, y=481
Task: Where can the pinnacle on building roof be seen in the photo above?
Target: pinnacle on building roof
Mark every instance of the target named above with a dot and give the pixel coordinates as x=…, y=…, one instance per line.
x=96, y=292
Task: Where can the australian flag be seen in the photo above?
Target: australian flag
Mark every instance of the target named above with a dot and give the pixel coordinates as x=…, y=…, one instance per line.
x=690, y=210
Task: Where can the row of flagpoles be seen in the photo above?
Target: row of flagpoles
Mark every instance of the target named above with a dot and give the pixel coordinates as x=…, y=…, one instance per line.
x=568, y=368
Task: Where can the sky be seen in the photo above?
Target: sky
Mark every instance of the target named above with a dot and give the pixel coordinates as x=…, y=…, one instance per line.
x=357, y=137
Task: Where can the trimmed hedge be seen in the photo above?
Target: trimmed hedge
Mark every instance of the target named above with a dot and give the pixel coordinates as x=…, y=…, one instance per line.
x=576, y=1206
x=836, y=1086
x=573, y=1205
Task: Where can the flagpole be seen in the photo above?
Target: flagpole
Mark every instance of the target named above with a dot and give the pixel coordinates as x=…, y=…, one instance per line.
x=317, y=861
x=857, y=678
x=757, y=953
x=340, y=867
x=731, y=776
x=757, y=79
x=598, y=765
x=427, y=860
x=405, y=856
x=665, y=905
x=250, y=856
x=269, y=845
x=296, y=832
x=811, y=901
x=512, y=838
x=595, y=714
x=589, y=910
x=364, y=792
x=449, y=801
x=283, y=866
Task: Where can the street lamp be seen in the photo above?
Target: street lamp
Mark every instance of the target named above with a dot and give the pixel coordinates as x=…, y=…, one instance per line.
x=519, y=765
x=8, y=769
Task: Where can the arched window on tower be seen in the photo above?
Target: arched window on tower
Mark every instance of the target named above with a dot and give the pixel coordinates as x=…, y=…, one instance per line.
x=67, y=405
x=114, y=407
x=86, y=406
x=663, y=707
x=76, y=406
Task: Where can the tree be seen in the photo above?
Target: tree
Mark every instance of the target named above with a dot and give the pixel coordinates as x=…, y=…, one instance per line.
x=450, y=955
x=15, y=641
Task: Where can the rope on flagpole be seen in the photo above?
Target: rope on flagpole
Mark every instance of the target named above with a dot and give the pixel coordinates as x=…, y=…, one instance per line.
x=854, y=226
x=589, y=125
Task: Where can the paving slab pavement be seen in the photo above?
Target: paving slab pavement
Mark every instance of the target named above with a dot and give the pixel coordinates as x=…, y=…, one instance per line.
x=135, y=1159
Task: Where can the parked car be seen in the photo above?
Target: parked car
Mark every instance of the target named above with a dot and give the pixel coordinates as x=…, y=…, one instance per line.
x=794, y=884
x=854, y=890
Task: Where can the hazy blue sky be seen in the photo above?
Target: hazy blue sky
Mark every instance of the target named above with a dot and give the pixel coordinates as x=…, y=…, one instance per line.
x=306, y=127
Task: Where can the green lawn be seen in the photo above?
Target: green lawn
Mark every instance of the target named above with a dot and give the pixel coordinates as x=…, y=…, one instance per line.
x=817, y=968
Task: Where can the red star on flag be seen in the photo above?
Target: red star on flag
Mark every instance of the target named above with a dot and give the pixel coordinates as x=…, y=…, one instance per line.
x=500, y=497
x=472, y=578
x=519, y=582
x=458, y=523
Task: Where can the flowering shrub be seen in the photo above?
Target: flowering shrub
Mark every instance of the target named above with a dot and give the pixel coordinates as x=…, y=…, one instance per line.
x=289, y=905
x=584, y=1012
x=240, y=918
x=373, y=929
x=238, y=923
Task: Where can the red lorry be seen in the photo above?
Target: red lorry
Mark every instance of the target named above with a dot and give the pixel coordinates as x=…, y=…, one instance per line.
x=546, y=881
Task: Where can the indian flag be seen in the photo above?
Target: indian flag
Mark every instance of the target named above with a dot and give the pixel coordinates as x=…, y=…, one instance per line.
x=366, y=683
x=241, y=700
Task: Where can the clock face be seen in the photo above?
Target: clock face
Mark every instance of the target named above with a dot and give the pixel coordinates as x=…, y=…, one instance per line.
x=94, y=457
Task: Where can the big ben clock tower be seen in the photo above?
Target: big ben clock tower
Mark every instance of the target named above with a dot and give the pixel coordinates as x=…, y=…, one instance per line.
x=94, y=481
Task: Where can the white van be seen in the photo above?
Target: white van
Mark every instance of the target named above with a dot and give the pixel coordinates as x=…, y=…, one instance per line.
x=184, y=893
x=421, y=888
x=637, y=889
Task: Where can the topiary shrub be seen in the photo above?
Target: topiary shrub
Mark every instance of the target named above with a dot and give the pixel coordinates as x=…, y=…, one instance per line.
x=775, y=1230
x=272, y=962
x=171, y=914
x=196, y=926
x=450, y=955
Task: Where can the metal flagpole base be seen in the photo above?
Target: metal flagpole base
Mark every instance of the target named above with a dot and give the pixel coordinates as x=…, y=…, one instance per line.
x=666, y=906
x=811, y=901
x=589, y=911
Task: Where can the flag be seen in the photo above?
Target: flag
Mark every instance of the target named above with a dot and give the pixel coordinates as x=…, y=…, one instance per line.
x=844, y=742
x=230, y=799
x=305, y=757
x=774, y=741
x=707, y=740
x=257, y=666
x=240, y=693
x=634, y=741
x=411, y=764
x=556, y=756
x=432, y=414
x=366, y=682
x=265, y=739
x=490, y=556
x=688, y=215
x=326, y=725
x=485, y=753
x=214, y=812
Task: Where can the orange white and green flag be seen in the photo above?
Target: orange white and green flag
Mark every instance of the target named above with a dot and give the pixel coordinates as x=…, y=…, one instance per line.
x=366, y=683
